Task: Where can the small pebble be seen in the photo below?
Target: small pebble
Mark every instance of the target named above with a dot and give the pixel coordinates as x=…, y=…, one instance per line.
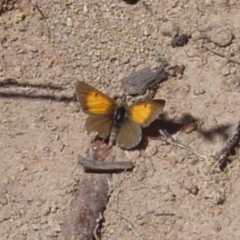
x=208, y=3
x=169, y=28
x=179, y=41
x=22, y=168
x=217, y=197
x=19, y=17
x=180, y=159
x=85, y=61
x=151, y=150
x=225, y=71
x=85, y=9
x=236, y=81
x=198, y=91
x=191, y=187
x=3, y=38
x=169, y=197
x=221, y=36
x=32, y=48
x=69, y=22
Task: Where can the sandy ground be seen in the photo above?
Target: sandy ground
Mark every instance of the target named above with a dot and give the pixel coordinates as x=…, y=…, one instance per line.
x=171, y=193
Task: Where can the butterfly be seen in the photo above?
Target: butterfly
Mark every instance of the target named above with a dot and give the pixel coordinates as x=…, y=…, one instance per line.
x=106, y=116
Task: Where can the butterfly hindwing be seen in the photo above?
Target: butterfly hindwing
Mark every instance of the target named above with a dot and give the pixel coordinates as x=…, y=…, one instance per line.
x=101, y=124
x=129, y=134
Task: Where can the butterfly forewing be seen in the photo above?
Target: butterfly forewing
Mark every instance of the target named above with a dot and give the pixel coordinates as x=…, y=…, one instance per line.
x=129, y=134
x=145, y=112
x=93, y=101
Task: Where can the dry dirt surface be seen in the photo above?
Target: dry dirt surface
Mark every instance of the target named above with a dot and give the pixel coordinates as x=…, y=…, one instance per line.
x=172, y=193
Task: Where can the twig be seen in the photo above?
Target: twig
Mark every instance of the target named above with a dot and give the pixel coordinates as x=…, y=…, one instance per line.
x=222, y=154
x=181, y=145
x=131, y=226
x=39, y=10
x=221, y=55
x=104, y=167
x=98, y=225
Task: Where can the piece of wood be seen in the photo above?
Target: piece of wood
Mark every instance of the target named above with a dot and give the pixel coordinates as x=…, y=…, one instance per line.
x=89, y=201
x=230, y=145
x=104, y=167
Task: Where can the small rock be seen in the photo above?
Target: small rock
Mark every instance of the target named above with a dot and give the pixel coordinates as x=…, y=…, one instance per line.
x=125, y=60
x=169, y=28
x=169, y=197
x=188, y=123
x=54, y=128
x=196, y=35
x=85, y=61
x=22, y=168
x=217, y=197
x=179, y=41
x=221, y=36
x=180, y=159
x=141, y=173
x=3, y=38
x=152, y=150
x=22, y=27
x=85, y=9
x=146, y=33
x=32, y=48
x=54, y=207
x=54, y=225
x=24, y=229
x=198, y=91
x=191, y=187
x=174, y=3
x=19, y=17
x=225, y=71
x=208, y=3
x=5, y=181
x=69, y=22
x=36, y=227
x=46, y=209
x=236, y=81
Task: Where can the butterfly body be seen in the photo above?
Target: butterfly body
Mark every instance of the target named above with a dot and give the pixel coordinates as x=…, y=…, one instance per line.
x=106, y=116
x=119, y=115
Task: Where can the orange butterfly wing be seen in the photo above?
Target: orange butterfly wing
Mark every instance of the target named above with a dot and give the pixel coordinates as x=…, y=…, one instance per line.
x=145, y=112
x=93, y=101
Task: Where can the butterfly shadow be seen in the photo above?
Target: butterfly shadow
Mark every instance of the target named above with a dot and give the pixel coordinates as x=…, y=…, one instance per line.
x=172, y=126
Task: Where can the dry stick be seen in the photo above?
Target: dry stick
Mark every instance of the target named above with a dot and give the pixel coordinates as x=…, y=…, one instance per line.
x=101, y=167
x=34, y=3
x=89, y=202
x=181, y=145
x=221, y=55
x=131, y=226
x=222, y=154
